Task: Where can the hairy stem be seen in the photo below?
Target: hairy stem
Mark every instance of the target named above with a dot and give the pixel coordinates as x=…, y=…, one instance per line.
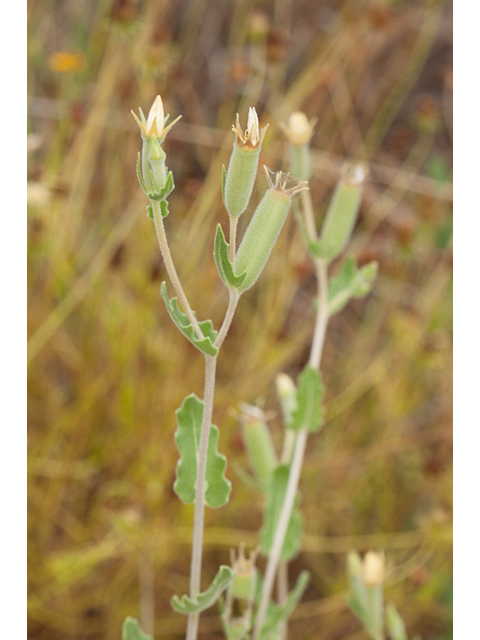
x=227, y=321
x=172, y=272
x=301, y=441
x=199, y=513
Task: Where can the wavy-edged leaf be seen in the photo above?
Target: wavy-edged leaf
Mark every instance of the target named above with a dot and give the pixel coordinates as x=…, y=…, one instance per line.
x=222, y=260
x=206, y=344
x=309, y=411
x=350, y=282
x=187, y=437
x=276, y=614
x=275, y=497
x=206, y=599
x=131, y=630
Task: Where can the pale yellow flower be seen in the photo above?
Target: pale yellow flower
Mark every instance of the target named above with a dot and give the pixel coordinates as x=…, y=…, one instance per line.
x=299, y=129
x=253, y=136
x=156, y=121
x=373, y=569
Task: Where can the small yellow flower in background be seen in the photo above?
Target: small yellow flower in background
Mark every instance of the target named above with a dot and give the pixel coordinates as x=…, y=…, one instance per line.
x=155, y=123
x=299, y=129
x=253, y=135
x=67, y=62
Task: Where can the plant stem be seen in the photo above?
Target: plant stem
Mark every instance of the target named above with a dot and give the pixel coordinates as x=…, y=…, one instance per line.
x=172, y=272
x=301, y=441
x=199, y=509
x=199, y=513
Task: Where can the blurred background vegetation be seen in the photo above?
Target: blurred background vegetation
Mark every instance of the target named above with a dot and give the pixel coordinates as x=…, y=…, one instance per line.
x=107, y=368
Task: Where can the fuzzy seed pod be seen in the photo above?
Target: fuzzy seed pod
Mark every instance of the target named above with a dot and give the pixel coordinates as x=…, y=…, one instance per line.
x=342, y=212
x=264, y=228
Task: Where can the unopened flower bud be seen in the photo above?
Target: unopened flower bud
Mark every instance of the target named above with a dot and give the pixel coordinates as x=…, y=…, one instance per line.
x=373, y=569
x=244, y=583
x=287, y=394
x=342, y=211
x=299, y=133
x=264, y=228
x=243, y=164
x=156, y=159
x=258, y=443
x=156, y=121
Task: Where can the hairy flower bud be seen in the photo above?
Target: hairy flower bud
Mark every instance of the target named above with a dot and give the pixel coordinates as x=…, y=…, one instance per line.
x=243, y=164
x=156, y=121
x=156, y=160
x=342, y=211
x=264, y=228
x=258, y=443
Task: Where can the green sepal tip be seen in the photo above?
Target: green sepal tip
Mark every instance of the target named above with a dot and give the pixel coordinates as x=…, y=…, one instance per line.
x=161, y=194
x=222, y=260
x=187, y=437
x=131, y=630
x=205, y=344
x=206, y=599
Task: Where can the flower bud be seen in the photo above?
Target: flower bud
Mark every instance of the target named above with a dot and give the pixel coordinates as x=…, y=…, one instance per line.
x=287, y=394
x=299, y=133
x=156, y=121
x=264, y=228
x=156, y=160
x=373, y=569
x=243, y=165
x=342, y=212
x=258, y=443
x=244, y=583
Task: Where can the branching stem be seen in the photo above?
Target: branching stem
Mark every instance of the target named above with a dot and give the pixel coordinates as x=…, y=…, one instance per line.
x=301, y=441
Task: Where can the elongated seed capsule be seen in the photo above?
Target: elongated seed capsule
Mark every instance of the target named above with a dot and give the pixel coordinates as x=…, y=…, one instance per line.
x=342, y=212
x=258, y=443
x=156, y=161
x=261, y=235
x=243, y=164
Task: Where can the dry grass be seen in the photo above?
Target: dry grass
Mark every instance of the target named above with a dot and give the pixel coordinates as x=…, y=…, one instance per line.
x=107, y=368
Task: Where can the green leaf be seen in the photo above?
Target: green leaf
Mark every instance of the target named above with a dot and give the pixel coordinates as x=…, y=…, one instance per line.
x=139, y=174
x=309, y=412
x=276, y=614
x=222, y=260
x=183, y=323
x=186, y=605
x=131, y=630
x=395, y=624
x=187, y=437
x=164, y=208
x=350, y=282
x=275, y=498
x=150, y=212
x=165, y=191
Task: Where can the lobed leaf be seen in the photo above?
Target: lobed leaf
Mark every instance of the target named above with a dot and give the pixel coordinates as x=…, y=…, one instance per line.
x=222, y=260
x=206, y=599
x=187, y=437
x=276, y=614
x=131, y=630
x=275, y=497
x=309, y=412
x=350, y=282
x=205, y=344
